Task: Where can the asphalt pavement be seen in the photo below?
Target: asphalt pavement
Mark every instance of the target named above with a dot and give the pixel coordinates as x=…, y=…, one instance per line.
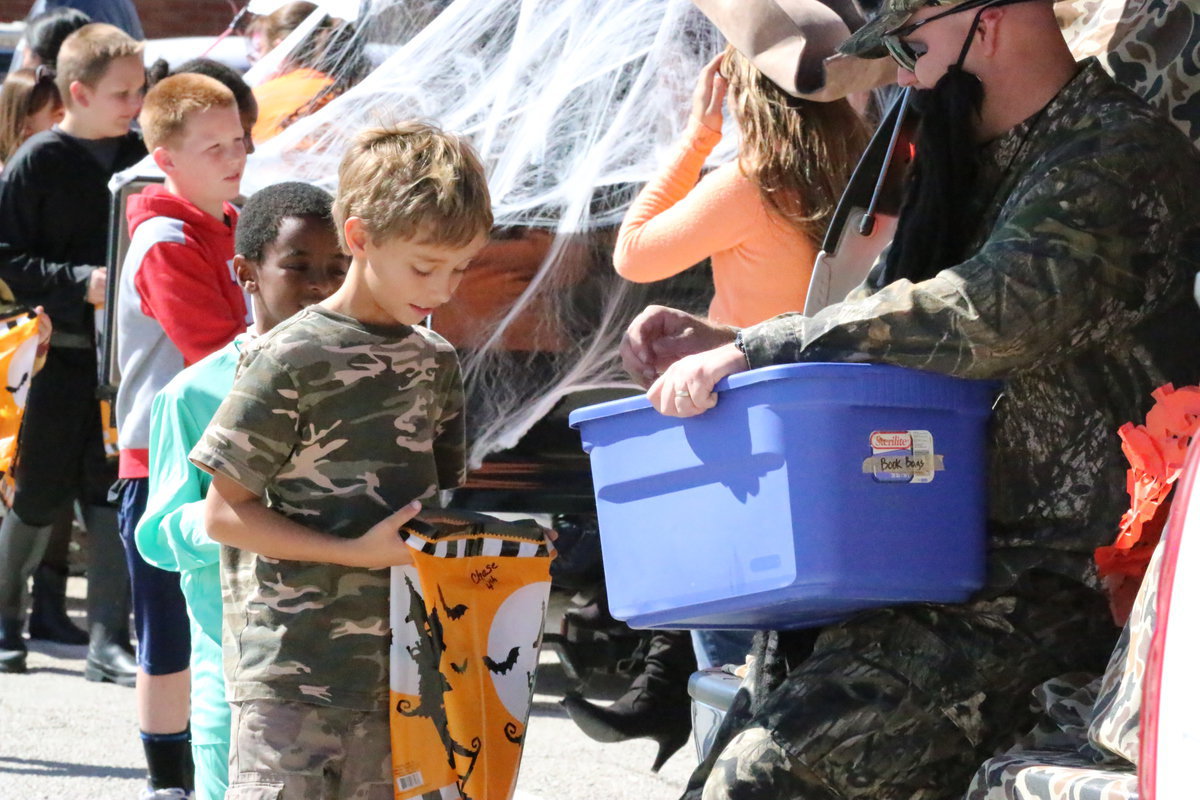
x=63, y=738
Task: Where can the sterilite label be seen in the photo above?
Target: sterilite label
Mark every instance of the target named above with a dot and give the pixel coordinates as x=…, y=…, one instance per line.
x=902, y=457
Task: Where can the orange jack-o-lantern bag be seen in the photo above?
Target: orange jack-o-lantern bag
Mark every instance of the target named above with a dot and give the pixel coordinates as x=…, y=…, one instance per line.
x=466, y=631
x=18, y=356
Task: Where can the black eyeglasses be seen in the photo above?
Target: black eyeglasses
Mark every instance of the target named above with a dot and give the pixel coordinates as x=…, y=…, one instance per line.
x=906, y=53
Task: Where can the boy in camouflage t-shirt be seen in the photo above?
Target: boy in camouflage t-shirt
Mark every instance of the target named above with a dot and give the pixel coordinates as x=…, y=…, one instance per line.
x=339, y=416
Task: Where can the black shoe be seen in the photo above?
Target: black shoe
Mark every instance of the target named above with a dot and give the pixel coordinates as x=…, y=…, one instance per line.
x=623, y=720
x=655, y=707
x=109, y=661
x=12, y=646
x=48, y=620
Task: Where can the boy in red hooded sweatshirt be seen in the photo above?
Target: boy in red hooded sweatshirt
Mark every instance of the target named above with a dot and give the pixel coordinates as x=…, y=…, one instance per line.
x=178, y=300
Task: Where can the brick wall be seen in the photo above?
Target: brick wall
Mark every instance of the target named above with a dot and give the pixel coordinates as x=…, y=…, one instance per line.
x=160, y=18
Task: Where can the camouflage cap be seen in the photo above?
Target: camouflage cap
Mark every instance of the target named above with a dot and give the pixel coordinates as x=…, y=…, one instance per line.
x=867, y=42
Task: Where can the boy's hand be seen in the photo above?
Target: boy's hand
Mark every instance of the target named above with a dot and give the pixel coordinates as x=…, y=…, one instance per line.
x=237, y=517
x=97, y=286
x=45, y=329
x=381, y=546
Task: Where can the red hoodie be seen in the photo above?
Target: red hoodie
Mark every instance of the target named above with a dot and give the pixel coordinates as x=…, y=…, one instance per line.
x=178, y=301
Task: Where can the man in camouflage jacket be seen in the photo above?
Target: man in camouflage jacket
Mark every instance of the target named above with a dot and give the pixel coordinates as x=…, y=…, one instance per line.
x=1076, y=293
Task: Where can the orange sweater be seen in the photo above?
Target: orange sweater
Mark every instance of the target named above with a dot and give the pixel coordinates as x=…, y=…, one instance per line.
x=284, y=95
x=761, y=264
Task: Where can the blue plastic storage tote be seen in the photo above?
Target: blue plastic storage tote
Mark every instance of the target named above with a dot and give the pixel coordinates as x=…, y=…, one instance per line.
x=809, y=492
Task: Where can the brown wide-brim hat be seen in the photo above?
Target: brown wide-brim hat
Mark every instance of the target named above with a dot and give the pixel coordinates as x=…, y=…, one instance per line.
x=795, y=44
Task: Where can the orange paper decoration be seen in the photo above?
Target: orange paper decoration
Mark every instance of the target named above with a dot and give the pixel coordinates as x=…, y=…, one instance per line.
x=1156, y=451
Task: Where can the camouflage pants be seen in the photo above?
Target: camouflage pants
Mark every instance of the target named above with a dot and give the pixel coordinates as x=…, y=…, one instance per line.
x=904, y=703
x=299, y=751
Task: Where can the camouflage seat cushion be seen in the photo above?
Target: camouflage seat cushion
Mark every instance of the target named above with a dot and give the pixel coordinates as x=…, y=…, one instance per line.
x=1054, y=775
x=1151, y=46
x=1086, y=746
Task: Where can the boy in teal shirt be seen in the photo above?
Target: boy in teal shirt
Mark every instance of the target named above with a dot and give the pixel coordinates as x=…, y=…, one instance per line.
x=288, y=257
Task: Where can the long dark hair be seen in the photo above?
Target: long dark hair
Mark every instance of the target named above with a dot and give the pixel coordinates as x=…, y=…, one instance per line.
x=242, y=93
x=935, y=227
x=46, y=32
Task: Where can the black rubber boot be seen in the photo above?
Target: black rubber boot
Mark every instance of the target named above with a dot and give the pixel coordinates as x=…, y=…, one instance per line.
x=655, y=707
x=12, y=646
x=48, y=620
x=109, y=656
x=21, y=548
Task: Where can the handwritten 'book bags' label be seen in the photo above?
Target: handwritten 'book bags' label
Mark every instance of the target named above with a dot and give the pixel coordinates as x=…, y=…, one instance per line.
x=902, y=457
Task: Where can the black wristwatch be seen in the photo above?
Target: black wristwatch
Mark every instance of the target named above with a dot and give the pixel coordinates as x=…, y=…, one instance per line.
x=740, y=344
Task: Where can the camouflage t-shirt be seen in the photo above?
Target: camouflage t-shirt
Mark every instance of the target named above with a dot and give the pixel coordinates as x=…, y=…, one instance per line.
x=1078, y=297
x=336, y=424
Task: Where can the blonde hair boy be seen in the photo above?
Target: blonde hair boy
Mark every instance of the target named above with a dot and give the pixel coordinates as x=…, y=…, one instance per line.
x=171, y=101
x=413, y=210
x=413, y=181
x=87, y=53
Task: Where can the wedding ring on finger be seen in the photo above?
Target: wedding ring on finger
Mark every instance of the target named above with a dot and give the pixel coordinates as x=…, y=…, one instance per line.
x=682, y=393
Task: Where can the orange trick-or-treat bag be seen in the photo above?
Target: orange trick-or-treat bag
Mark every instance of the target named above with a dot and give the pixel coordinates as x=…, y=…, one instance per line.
x=466, y=631
x=18, y=354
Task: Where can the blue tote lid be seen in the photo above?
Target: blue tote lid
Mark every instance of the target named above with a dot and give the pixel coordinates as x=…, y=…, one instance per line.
x=873, y=382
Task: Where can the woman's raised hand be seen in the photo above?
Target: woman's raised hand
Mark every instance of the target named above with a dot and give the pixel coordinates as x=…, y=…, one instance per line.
x=710, y=95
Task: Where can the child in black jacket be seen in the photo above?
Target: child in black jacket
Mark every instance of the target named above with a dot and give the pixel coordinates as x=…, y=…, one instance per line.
x=54, y=209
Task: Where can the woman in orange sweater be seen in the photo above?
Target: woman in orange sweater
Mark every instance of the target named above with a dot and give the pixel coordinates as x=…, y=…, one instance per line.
x=759, y=218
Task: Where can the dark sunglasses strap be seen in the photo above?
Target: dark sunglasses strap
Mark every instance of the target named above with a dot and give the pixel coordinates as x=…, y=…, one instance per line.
x=962, y=56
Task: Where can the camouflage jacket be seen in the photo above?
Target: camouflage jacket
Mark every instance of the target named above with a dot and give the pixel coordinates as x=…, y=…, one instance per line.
x=1078, y=298
x=336, y=424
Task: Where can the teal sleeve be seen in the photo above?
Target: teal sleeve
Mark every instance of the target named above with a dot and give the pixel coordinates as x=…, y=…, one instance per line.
x=171, y=533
